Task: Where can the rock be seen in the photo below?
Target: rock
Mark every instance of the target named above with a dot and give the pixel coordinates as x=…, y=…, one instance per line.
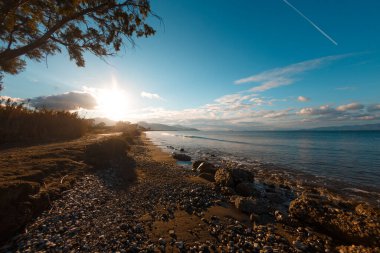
x=223, y=177
x=245, y=205
x=172, y=233
x=245, y=189
x=196, y=164
x=242, y=176
x=233, y=177
x=227, y=191
x=206, y=167
x=181, y=157
x=299, y=246
x=343, y=224
x=207, y=176
x=278, y=216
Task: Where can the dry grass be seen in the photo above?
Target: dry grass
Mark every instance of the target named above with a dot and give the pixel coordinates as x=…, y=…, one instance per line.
x=19, y=123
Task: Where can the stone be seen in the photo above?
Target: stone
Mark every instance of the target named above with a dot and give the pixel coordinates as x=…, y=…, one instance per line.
x=172, y=233
x=245, y=205
x=206, y=167
x=242, y=176
x=227, y=191
x=223, y=177
x=181, y=157
x=340, y=223
x=246, y=189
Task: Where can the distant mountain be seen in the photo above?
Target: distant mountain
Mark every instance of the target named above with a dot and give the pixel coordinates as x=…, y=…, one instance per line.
x=106, y=121
x=368, y=127
x=162, y=127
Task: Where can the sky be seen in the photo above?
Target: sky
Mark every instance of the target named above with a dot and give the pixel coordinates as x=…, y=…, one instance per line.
x=223, y=65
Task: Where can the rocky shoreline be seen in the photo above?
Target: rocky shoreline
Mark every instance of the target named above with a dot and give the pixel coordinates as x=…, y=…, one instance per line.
x=212, y=208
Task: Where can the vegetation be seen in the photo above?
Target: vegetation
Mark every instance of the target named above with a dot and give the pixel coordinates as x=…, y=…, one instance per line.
x=37, y=28
x=19, y=123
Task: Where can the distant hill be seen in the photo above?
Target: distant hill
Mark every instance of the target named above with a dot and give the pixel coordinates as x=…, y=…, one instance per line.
x=106, y=121
x=162, y=127
x=368, y=127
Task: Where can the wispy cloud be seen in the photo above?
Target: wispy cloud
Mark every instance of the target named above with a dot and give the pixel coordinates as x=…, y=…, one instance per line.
x=149, y=95
x=285, y=75
x=303, y=99
x=311, y=22
x=350, y=107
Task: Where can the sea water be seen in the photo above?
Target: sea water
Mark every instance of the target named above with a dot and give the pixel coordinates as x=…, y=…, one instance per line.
x=351, y=157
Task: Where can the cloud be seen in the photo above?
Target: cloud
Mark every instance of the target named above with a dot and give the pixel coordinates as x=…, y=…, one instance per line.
x=303, y=99
x=373, y=108
x=145, y=94
x=285, y=75
x=350, y=107
x=66, y=101
x=322, y=110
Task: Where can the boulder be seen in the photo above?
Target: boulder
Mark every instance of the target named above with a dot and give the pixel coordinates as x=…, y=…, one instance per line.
x=246, y=189
x=245, y=205
x=181, y=157
x=345, y=224
x=223, y=177
x=196, y=164
x=206, y=167
x=242, y=176
x=233, y=177
x=207, y=176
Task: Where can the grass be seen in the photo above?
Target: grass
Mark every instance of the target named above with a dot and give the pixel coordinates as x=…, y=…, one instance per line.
x=18, y=123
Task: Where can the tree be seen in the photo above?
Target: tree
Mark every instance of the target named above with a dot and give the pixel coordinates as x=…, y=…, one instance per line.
x=37, y=28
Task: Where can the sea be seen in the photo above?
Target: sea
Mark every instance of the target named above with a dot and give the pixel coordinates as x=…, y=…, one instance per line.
x=351, y=158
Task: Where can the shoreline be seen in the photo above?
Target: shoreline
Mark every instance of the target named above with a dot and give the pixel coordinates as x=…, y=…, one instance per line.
x=168, y=208
x=279, y=174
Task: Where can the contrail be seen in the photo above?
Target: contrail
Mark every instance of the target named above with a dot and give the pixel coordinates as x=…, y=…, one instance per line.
x=311, y=22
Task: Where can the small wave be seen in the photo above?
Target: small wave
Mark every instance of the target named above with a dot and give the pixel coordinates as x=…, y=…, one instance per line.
x=167, y=134
x=360, y=191
x=212, y=139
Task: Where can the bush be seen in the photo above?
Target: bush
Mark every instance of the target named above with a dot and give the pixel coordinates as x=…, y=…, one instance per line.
x=19, y=123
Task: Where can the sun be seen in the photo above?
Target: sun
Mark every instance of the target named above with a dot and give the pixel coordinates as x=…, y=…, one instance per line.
x=112, y=103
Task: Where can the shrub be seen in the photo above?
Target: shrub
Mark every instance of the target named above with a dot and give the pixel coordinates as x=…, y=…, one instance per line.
x=18, y=123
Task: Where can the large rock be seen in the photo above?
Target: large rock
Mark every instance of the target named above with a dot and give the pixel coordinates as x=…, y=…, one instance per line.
x=233, y=177
x=181, y=157
x=223, y=177
x=196, y=164
x=242, y=176
x=346, y=224
x=245, y=205
x=206, y=167
x=246, y=189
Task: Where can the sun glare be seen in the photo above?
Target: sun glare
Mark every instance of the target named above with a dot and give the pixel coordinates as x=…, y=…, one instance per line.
x=112, y=103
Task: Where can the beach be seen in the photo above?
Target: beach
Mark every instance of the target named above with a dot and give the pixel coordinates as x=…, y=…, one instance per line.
x=147, y=202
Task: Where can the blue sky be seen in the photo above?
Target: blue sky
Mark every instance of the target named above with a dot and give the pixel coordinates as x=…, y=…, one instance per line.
x=230, y=65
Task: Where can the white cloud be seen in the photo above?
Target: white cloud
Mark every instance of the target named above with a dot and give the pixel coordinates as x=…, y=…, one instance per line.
x=149, y=95
x=285, y=75
x=303, y=99
x=350, y=107
x=322, y=110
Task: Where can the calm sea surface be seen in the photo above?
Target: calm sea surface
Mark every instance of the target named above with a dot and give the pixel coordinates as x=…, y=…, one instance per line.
x=352, y=157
